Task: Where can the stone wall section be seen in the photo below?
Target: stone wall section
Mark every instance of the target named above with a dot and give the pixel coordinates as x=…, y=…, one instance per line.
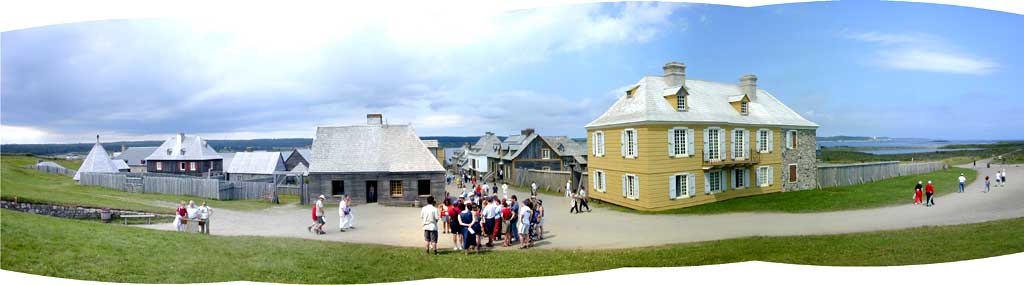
x=805, y=158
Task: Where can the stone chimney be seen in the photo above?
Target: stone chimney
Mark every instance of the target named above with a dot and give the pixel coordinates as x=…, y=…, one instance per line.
x=374, y=119
x=527, y=131
x=748, y=83
x=675, y=74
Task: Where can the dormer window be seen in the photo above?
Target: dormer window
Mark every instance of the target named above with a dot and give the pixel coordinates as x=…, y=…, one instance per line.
x=183, y=151
x=169, y=151
x=631, y=91
x=744, y=108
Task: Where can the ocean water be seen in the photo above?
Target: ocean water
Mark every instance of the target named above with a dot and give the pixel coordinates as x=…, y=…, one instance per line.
x=900, y=146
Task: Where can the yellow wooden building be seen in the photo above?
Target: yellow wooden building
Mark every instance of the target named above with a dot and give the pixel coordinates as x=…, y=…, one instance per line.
x=669, y=142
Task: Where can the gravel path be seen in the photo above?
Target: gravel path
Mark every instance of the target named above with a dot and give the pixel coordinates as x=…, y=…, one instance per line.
x=605, y=228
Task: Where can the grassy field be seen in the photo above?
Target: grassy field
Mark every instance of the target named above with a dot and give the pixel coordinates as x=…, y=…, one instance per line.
x=893, y=191
x=28, y=185
x=106, y=252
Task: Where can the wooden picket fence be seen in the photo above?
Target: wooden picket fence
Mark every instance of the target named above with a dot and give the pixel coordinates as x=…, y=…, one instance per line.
x=545, y=179
x=851, y=174
x=53, y=169
x=182, y=185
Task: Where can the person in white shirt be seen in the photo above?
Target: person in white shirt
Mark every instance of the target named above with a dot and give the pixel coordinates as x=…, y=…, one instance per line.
x=568, y=189
x=191, y=213
x=963, y=180
x=318, y=208
x=533, y=188
x=204, y=218
x=504, y=190
x=429, y=215
x=345, y=216
x=524, y=219
x=490, y=220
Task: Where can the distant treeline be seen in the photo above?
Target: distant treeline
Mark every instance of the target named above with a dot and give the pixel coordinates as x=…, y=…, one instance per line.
x=219, y=145
x=850, y=138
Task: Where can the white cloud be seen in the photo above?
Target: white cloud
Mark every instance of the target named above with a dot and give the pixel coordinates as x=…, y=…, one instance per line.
x=923, y=52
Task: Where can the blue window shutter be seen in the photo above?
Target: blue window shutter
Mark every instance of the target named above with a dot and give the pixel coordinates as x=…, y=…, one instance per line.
x=771, y=141
x=706, y=144
x=690, y=190
x=707, y=182
x=671, y=186
x=671, y=142
x=689, y=142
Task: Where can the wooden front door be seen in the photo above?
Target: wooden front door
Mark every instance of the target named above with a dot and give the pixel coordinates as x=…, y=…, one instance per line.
x=371, y=191
x=792, y=173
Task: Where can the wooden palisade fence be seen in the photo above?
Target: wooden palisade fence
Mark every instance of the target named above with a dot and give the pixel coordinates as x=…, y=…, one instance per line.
x=851, y=174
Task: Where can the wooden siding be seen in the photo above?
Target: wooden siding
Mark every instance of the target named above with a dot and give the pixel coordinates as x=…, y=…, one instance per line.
x=173, y=167
x=653, y=166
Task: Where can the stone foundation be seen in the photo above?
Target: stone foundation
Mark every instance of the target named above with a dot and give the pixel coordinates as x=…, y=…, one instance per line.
x=81, y=213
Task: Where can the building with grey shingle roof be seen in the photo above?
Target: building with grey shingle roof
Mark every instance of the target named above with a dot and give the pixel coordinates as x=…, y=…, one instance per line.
x=297, y=156
x=185, y=155
x=135, y=157
x=373, y=162
x=96, y=162
x=255, y=165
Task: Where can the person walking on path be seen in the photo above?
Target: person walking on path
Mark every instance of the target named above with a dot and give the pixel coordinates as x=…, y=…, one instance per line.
x=318, y=213
x=456, y=228
x=986, y=184
x=574, y=205
x=347, y=217
x=445, y=225
x=918, y=192
x=999, y=179
x=204, y=218
x=1002, y=180
x=533, y=188
x=930, y=191
x=504, y=190
x=963, y=181
x=583, y=198
x=430, y=216
x=568, y=188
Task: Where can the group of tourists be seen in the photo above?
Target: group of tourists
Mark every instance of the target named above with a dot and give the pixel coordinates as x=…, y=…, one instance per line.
x=928, y=190
x=577, y=199
x=478, y=216
x=200, y=215
x=345, y=216
x=1000, y=180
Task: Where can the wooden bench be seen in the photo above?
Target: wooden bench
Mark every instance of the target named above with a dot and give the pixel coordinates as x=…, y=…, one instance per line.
x=149, y=218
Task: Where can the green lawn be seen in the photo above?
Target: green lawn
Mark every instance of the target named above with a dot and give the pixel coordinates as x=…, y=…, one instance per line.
x=106, y=252
x=893, y=191
x=30, y=185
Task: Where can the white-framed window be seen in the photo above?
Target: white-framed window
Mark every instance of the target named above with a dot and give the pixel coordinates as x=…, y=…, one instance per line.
x=599, y=143
x=764, y=141
x=681, y=102
x=629, y=143
x=159, y=165
x=792, y=173
x=740, y=178
x=714, y=144
x=764, y=176
x=791, y=139
x=599, y=181
x=680, y=142
x=545, y=153
x=714, y=182
x=681, y=186
x=744, y=108
x=631, y=187
x=192, y=166
x=739, y=143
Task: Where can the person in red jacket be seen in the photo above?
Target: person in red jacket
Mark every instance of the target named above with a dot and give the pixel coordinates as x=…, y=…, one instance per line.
x=929, y=190
x=918, y=193
x=179, y=218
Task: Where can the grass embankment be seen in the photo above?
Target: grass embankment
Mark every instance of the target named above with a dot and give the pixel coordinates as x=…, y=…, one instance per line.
x=104, y=252
x=892, y=191
x=30, y=185
x=844, y=154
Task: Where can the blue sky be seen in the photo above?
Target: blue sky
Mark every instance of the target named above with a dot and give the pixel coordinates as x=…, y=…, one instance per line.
x=855, y=68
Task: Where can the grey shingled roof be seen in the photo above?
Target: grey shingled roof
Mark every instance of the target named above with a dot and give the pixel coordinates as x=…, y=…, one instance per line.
x=228, y=157
x=195, y=148
x=370, y=148
x=485, y=146
x=256, y=163
x=708, y=102
x=136, y=156
x=96, y=161
x=119, y=164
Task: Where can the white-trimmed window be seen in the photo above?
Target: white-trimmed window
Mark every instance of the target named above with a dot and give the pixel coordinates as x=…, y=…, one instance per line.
x=740, y=145
x=681, y=102
x=764, y=141
x=181, y=166
x=714, y=144
x=740, y=178
x=714, y=182
x=159, y=165
x=192, y=166
x=680, y=142
x=744, y=108
x=681, y=186
x=599, y=143
x=791, y=139
x=629, y=143
x=599, y=181
x=545, y=153
x=764, y=176
x=631, y=187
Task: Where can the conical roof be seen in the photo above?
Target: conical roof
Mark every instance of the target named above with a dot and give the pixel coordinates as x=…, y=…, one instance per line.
x=97, y=161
